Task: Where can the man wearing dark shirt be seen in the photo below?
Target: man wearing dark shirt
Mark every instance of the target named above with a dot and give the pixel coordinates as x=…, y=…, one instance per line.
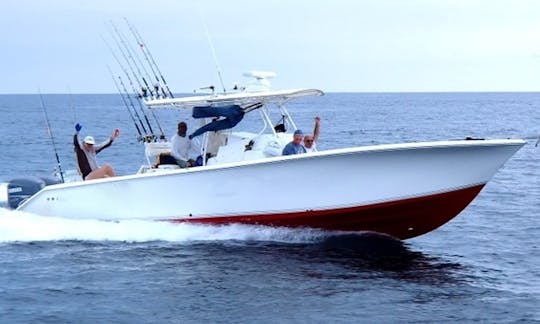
x=86, y=155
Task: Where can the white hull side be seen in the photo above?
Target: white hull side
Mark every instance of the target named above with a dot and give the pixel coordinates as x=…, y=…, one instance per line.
x=324, y=180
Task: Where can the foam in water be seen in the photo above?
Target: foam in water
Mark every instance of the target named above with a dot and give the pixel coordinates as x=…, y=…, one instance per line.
x=17, y=226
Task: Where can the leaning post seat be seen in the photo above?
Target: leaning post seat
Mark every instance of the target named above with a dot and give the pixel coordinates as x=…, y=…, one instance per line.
x=154, y=149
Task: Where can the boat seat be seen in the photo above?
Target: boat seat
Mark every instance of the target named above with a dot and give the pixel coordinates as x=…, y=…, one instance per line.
x=166, y=159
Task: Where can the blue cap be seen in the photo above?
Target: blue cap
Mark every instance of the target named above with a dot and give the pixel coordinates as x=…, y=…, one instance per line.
x=298, y=132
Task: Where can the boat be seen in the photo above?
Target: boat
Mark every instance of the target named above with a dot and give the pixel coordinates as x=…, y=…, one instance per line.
x=403, y=190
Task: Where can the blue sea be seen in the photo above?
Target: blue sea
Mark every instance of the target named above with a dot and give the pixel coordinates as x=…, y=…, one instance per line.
x=483, y=266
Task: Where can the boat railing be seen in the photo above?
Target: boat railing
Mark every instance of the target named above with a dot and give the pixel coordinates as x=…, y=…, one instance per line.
x=284, y=112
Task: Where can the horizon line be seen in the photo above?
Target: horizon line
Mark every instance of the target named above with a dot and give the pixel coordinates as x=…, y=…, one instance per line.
x=326, y=92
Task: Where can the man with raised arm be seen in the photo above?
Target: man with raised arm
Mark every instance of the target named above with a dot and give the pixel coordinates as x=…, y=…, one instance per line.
x=86, y=152
x=310, y=141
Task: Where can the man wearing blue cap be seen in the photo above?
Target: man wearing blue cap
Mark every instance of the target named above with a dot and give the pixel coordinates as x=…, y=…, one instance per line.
x=295, y=147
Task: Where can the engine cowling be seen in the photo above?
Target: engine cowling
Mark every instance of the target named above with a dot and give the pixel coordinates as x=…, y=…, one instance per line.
x=15, y=191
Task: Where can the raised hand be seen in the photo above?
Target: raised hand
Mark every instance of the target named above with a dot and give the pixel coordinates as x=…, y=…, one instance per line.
x=78, y=127
x=116, y=133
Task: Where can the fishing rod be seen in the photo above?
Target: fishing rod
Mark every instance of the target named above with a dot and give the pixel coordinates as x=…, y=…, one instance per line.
x=147, y=137
x=141, y=108
x=131, y=83
x=135, y=91
x=49, y=131
x=126, y=60
x=146, y=118
x=131, y=55
x=162, y=134
x=147, y=58
x=122, y=67
x=147, y=55
x=125, y=103
x=141, y=63
x=126, y=93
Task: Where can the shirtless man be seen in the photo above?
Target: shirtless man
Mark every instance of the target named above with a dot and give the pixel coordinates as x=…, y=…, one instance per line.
x=86, y=152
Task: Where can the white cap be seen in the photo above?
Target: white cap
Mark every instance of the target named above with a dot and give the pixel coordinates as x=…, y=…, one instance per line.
x=89, y=140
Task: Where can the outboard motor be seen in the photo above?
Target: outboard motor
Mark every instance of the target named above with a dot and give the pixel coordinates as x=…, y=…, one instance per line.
x=15, y=191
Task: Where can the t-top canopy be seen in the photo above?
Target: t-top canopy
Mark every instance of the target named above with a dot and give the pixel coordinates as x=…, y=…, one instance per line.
x=226, y=117
x=237, y=98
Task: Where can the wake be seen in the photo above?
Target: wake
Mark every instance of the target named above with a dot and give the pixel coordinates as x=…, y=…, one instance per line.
x=17, y=226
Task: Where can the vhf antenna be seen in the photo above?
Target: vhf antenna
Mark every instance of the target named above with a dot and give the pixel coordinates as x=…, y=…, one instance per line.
x=209, y=38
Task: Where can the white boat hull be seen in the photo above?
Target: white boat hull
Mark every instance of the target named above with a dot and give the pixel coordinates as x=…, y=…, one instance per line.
x=401, y=189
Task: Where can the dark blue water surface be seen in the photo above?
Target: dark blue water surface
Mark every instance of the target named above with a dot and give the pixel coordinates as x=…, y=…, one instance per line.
x=482, y=266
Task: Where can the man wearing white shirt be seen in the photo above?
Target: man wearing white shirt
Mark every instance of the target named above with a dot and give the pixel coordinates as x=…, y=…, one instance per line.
x=194, y=153
x=181, y=145
x=310, y=141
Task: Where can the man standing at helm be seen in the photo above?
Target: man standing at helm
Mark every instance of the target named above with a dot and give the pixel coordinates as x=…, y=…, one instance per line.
x=86, y=152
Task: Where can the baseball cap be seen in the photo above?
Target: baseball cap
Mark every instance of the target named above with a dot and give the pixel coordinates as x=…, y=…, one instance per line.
x=298, y=132
x=89, y=140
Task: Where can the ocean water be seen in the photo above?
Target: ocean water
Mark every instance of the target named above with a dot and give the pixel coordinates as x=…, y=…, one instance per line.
x=482, y=266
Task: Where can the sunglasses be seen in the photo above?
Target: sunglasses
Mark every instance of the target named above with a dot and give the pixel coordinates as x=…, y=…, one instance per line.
x=308, y=141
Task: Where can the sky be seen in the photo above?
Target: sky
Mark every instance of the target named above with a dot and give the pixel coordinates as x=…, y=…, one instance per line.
x=340, y=45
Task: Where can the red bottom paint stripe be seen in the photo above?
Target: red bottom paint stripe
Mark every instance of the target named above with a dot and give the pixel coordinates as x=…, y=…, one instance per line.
x=401, y=218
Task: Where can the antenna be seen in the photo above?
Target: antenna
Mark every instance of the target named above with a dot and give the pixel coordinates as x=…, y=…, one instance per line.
x=211, y=44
